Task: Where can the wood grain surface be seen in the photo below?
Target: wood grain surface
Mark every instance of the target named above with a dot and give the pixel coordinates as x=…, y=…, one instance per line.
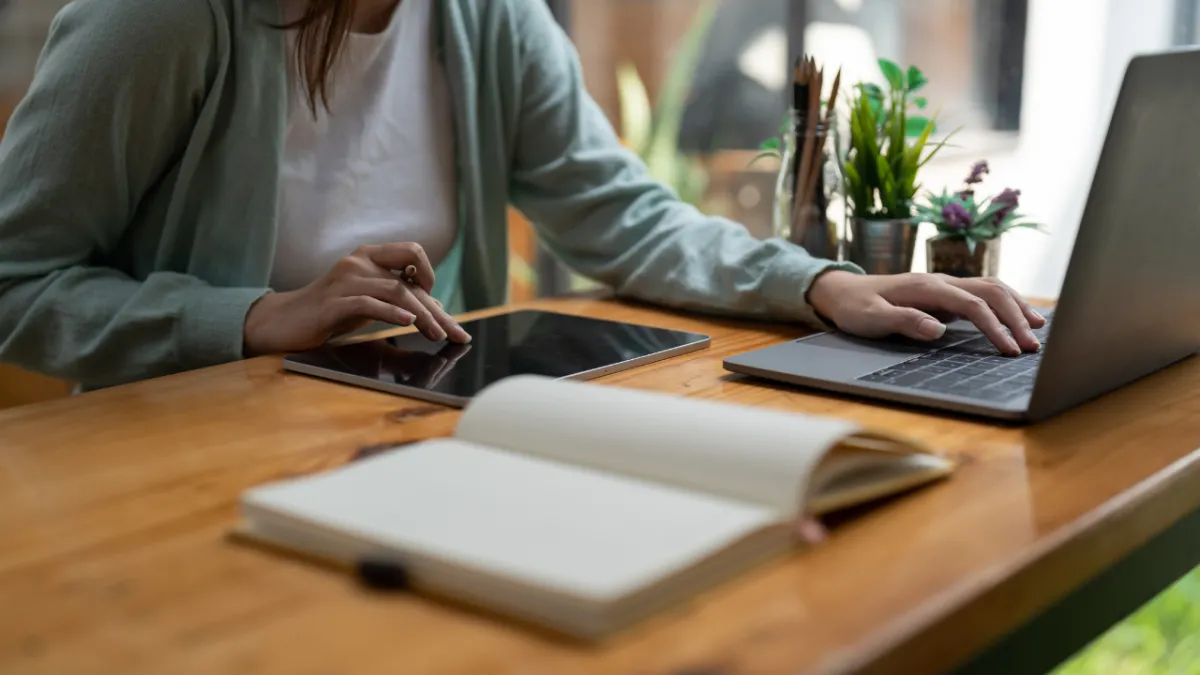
x=115, y=509
x=21, y=387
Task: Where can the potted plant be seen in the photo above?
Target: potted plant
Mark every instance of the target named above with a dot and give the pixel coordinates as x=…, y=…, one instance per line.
x=886, y=149
x=969, y=229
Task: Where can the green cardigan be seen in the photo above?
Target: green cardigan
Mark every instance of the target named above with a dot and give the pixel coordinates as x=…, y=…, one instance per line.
x=138, y=185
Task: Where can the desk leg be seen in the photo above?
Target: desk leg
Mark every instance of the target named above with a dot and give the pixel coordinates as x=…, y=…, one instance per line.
x=1089, y=611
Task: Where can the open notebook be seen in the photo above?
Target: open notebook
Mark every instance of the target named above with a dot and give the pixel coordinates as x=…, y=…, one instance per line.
x=584, y=507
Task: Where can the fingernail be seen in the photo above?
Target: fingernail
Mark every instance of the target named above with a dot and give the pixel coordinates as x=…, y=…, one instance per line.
x=438, y=333
x=811, y=532
x=931, y=329
x=1038, y=315
x=404, y=318
x=461, y=335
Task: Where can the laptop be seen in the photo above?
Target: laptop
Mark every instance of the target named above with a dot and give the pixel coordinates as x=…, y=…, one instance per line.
x=1129, y=305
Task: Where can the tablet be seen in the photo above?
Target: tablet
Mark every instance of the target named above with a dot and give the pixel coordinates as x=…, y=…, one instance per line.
x=525, y=342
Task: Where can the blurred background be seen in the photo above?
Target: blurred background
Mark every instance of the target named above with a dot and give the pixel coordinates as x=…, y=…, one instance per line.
x=1030, y=83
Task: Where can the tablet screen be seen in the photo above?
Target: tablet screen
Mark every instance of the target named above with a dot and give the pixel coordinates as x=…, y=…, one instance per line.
x=527, y=342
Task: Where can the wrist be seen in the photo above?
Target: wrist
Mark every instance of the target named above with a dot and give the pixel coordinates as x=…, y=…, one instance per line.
x=254, y=328
x=824, y=291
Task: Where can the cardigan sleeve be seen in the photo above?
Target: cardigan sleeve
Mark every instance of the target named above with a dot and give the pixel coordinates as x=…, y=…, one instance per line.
x=115, y=95
x=597, y=209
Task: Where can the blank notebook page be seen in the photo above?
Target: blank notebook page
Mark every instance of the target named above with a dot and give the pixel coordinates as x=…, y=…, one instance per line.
x=573, y=530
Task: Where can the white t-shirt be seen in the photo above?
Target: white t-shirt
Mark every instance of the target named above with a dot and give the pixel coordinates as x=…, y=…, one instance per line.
x=378, y=166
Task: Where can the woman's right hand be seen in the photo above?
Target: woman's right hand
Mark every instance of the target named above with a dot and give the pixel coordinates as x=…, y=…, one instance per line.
x=361, y=288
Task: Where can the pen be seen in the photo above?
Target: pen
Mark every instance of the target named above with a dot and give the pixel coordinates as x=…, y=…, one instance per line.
x=374, y=573
x=382, y=575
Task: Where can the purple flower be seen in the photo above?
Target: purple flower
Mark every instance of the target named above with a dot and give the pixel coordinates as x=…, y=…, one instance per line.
x=1011, y=199
x=978, y=171
x=956, y=216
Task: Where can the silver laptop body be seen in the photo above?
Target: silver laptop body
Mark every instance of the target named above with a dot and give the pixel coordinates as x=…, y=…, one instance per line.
x=1130, y=302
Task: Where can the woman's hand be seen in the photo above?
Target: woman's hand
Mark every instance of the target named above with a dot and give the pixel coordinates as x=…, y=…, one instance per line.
x=361, y=288
x=876, y=306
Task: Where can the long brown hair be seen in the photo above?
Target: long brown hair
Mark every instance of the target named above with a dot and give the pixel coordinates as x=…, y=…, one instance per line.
x=321, y=34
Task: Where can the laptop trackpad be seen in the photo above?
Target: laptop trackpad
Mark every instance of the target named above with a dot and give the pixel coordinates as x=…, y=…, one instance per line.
x=838, y=356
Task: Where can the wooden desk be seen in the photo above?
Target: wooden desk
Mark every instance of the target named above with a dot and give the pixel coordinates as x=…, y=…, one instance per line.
x=114, y=508
x=19, y=387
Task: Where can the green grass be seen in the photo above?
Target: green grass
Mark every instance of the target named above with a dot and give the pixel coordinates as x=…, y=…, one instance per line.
x=1163, y=637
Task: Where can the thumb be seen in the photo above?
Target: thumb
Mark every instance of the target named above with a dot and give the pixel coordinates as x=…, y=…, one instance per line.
x=913, y=323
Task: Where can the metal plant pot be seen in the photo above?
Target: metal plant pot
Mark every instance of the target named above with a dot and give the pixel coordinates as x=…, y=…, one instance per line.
x=882, y=246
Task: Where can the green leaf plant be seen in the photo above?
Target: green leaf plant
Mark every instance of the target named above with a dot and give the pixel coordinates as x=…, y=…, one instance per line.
x=887, y=145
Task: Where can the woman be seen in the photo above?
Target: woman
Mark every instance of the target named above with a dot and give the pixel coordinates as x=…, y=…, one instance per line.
x=192, y=182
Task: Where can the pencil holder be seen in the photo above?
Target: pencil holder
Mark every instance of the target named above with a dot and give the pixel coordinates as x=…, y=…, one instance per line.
x=781, y=217
x=802, y=189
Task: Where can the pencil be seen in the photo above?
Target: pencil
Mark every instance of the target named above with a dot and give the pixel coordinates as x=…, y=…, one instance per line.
x=819, y=146
x=812, y=77
x=799, y=94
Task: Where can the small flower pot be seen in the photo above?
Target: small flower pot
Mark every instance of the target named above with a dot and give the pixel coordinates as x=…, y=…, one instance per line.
x=952, y=257
x=882, y=246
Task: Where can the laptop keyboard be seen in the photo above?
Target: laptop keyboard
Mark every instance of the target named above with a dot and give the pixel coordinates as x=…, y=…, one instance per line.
x=971, y=369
